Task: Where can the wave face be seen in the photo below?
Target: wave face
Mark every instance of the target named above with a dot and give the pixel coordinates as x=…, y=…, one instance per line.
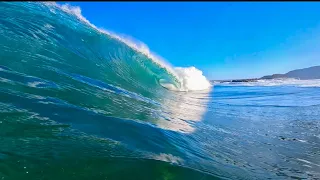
x=54, y=48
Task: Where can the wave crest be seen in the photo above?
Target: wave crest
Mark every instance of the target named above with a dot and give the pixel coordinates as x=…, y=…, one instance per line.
x=192, y=78
x=189, y=78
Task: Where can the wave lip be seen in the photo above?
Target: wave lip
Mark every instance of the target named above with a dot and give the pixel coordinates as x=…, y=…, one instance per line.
x=189, y=78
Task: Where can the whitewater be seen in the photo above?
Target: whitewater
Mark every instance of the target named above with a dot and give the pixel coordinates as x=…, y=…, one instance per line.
x=277, y=82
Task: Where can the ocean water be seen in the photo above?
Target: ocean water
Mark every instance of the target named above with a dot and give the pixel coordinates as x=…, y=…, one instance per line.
x=79, y=102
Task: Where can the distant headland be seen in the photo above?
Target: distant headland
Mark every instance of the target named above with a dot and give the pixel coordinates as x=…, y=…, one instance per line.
x=303, y=74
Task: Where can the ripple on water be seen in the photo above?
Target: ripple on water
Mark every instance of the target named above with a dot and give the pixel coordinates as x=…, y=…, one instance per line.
x=9, y=76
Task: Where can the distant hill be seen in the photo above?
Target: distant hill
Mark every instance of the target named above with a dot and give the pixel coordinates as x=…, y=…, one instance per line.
x=306, y=73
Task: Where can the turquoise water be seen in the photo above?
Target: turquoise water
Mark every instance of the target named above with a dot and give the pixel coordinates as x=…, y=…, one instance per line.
x=77, y=103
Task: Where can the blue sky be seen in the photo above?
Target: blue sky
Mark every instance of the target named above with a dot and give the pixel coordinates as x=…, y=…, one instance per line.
x=226, y=40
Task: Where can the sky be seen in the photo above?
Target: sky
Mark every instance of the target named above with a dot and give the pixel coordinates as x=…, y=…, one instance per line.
x=226, y=40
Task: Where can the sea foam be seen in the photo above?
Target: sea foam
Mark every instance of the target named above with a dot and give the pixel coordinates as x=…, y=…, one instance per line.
x=279, y=82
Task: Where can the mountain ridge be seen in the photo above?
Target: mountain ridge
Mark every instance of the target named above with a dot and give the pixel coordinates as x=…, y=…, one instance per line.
x=303, y=74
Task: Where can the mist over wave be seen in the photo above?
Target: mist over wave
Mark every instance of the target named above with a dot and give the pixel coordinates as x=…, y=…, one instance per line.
x=189, y=78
